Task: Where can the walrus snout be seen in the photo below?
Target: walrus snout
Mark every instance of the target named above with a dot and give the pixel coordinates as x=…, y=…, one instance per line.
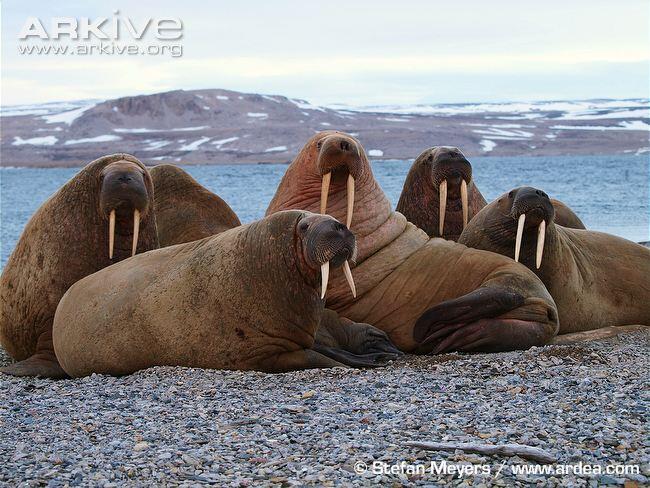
x=123, y=194
x=339, y=155
x=532, y=208
x=327, y=243
x=451, y=172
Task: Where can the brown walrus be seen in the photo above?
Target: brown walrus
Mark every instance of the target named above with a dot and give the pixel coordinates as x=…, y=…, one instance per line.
x=441, y=197
x=98, y=218
x=427, y=294
x=185, y=210
x=246, y=299
x=597, y=280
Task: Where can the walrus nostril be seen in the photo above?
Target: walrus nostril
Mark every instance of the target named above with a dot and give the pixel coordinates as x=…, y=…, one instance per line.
x=124, y=178
x=339, y=226
x=345, y=146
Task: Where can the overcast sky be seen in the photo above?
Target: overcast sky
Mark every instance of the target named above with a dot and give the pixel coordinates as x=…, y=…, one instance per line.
x=352, y=52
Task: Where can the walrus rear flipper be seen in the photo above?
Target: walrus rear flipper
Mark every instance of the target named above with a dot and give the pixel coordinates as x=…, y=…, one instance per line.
x=42, y=363
x=477, y=322
x=372, y=360
x=596, y=335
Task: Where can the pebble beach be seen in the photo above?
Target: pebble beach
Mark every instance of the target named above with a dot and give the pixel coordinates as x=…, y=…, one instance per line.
x=585, y=404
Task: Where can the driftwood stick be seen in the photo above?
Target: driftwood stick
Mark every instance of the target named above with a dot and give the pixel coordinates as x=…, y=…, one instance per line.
x=521, y=450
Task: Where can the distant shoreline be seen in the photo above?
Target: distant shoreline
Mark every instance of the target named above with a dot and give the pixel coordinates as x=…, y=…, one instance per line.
x=6, y=166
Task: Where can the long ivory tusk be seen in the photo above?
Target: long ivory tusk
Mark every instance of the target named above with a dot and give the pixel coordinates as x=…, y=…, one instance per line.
x=111, y=233
x=348, y=221
x=324, y=276
x=443, y=206
x=348, y=277
x=541, y=235
x=520, y=231
x=463, y=200
x=324, y=191
x=136, y=230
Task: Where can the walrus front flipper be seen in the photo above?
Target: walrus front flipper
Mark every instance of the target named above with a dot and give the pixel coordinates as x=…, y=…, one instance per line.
x=339, y=337
x=596, y=335
x=301, y=359
x=480, y=321
x=42, y=363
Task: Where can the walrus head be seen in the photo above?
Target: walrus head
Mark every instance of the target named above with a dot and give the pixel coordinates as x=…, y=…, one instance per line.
x=439, y=178
x=531, y=209
x=123, y=199
x=325, y=242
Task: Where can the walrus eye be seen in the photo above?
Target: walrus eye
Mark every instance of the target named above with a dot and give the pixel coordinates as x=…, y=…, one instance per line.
x=510, y=194
x=319, y=144
x=303, y=227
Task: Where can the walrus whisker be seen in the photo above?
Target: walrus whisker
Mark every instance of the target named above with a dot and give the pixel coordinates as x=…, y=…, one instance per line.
x=541, y=235
x=136, y=230
x=520, y=231
x=348, y=221
x=111, y=233
x=324, y=191
x=463, y=199
x=443, y=206
x=325, y=275
x=349, y=279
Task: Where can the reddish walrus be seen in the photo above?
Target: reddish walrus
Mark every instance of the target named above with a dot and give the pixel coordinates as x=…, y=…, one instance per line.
x=441, y=197
x=98, y=218
x=185, y=210
x=427, y=294
x=597, y=280
x=246, y=299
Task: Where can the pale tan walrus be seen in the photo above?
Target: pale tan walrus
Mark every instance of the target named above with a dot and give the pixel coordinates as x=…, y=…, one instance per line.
x=427, y=294
x=246, y=299
x=98, y=218
x=597, y=280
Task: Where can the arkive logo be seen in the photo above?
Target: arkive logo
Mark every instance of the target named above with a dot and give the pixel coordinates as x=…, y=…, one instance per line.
x=103, y=28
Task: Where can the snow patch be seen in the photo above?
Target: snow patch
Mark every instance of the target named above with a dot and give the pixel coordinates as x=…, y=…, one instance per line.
x=221, y=142
x=35, y=141
x=327, y=124
x=152, y=145
x=67, y=117
x=143, y=130
x=102, y=138
x=625, y=125
x=224, y=97
x=276, y=149
x=305, y=105
x=487, y=145
x=376, y=153
x=193, y=146
x=257, y=115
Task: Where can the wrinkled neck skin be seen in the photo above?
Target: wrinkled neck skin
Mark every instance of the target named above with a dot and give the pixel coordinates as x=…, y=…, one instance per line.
x=274, y=271
x=420, y=204
x=374, y=224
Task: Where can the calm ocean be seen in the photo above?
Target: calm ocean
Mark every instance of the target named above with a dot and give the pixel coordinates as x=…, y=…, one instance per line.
x=609, y=193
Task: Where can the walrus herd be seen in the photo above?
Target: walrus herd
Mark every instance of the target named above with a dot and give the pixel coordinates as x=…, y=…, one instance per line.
x=126, y=268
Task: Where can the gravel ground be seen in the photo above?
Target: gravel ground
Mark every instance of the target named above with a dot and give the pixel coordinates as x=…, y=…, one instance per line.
x=585, y=404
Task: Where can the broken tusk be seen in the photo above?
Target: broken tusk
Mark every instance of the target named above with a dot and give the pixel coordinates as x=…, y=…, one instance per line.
x=111, y=233
x=136, y=230
x=443, y=206
x=348, y=277
x=324, y=191
x=541, y=235
x=463, y=200
x=348, y=221
x=520, y=231
x=325, y=275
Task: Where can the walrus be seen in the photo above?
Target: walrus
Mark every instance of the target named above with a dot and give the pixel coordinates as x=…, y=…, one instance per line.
x=428, y=295
x=440, y=195
x=101, y=216
x=597, y=280
x=246, y=299
x=185, y=210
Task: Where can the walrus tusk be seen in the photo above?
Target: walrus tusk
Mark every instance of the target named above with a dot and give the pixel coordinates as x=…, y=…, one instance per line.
x=136, y=230
x=541, y=235
x=348, y=221
x=350, y=280
x=443, y=206
x=463, y=200
x=324, y=191
x=520, y=231
x=111, y=233
x=325, y=275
